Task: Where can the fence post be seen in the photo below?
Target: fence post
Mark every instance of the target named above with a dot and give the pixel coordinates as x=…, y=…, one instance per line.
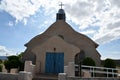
x=107, y=73
x=62, y=76
x=23, y=75
x=93, y=72
x=71, y=69
x=112, y=73
x=80, y=69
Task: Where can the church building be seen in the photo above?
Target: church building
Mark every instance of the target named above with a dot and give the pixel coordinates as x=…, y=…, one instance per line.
x=59, y=45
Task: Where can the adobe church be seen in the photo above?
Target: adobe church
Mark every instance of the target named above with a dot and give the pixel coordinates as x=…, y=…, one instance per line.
x=59, y=45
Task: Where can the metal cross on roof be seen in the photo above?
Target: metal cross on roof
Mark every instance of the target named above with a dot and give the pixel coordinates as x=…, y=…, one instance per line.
x=61, y=5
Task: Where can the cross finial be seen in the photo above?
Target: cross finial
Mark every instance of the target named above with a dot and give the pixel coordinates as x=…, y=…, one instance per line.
x=61, y=5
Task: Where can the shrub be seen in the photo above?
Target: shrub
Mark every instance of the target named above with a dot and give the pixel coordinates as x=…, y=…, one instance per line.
x=88, y=61
x=1, y=67
x=109, y=63
x=13, y=62
x=1, y=61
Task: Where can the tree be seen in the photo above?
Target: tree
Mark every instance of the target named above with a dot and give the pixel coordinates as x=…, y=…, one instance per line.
x=88, y=61
x=109, y=63
x=20, y=55
x=1, y=67
x=1, y=61
x=13, y=62
x=13, y=58
x=22, y=64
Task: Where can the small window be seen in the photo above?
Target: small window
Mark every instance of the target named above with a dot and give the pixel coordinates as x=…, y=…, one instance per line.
x=61, y=36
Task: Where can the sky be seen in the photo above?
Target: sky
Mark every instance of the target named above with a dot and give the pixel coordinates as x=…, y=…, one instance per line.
x=21, y=20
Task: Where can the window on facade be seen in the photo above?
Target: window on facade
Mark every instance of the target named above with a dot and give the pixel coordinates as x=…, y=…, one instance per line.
x=61, y=36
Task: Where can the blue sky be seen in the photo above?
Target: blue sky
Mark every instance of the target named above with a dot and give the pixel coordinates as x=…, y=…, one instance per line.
x=21, y=20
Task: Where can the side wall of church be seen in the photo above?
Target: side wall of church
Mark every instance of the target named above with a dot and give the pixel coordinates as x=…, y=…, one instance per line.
x=91, y=52
x=29, y=56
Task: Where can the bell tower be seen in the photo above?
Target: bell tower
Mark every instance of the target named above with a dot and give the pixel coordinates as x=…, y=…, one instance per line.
x=61, y=14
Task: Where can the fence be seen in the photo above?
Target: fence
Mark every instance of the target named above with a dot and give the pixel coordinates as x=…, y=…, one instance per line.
x=105, y=72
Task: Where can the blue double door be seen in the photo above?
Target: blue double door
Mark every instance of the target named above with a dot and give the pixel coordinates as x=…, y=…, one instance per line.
x=54, y=62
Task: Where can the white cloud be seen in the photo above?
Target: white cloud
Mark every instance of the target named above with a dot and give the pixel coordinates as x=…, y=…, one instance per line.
x=88, y=32
x=23, y=9
x=96, y=13
x=87, y=14
x=108, y=33
x=20, y=9
x=5, y=51
x=45, y=23
x=115, y=3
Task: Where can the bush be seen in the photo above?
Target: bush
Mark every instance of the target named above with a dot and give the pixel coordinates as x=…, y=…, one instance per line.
x=109, y=63
x=88, y=61
x=13, y=62
x=13, y=58
x=1, y=61
x=1, y=67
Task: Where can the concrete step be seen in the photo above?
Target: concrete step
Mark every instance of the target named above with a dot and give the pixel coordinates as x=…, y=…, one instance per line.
x=45, y=77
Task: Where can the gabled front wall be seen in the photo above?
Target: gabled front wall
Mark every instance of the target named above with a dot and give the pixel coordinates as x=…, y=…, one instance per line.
x=70, y=36
x=60, y=45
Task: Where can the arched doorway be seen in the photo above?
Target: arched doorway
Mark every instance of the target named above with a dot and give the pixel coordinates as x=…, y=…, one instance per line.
x=79, y=57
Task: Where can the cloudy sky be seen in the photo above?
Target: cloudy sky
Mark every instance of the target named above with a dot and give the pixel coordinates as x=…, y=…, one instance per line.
x=21, y=20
